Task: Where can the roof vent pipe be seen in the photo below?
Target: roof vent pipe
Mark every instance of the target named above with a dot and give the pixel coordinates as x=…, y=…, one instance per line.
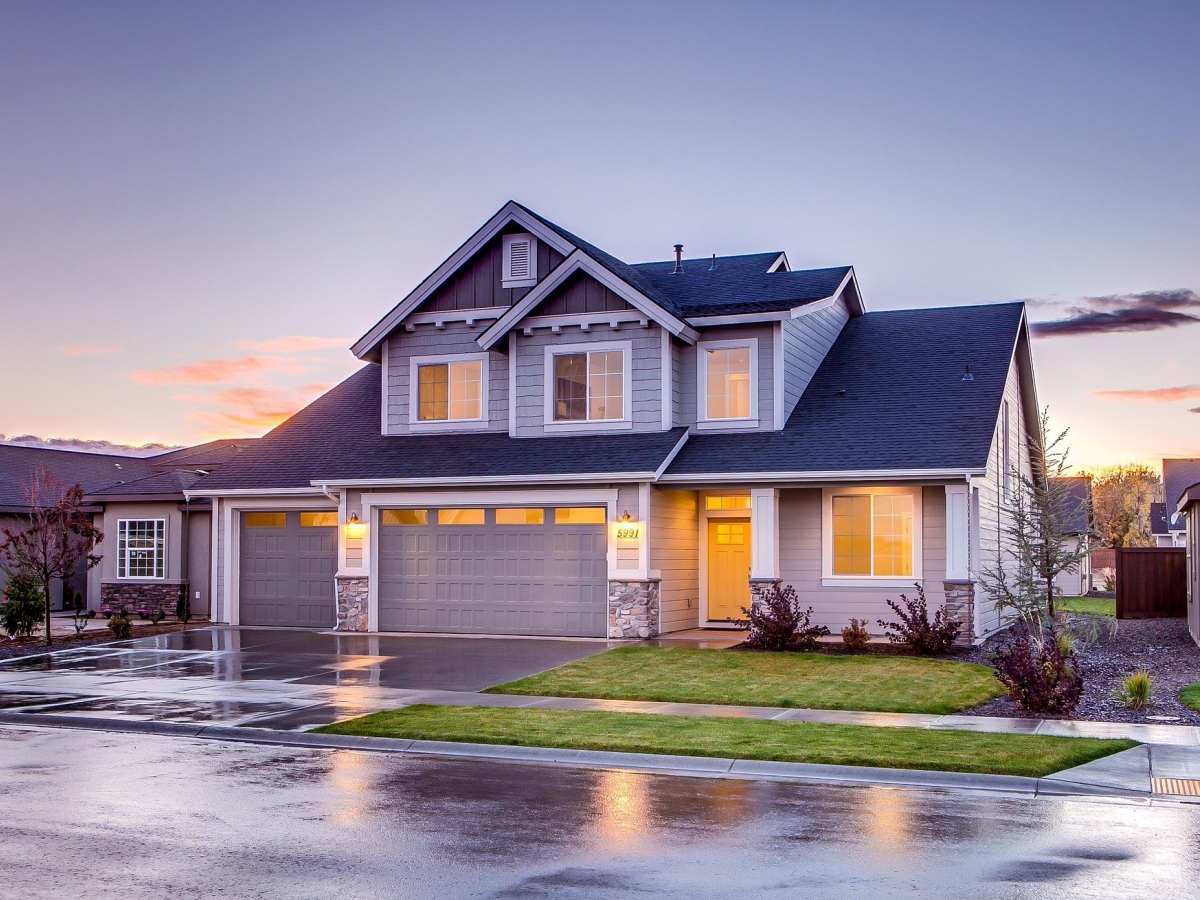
x=678, y=260
x=713, y=267
x=967, y=376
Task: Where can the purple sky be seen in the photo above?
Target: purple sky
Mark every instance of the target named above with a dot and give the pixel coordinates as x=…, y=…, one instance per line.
x=202, y=204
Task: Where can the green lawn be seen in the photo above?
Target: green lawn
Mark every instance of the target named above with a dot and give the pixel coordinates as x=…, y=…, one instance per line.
x=849, y=745
x=1095, y=606
x=804, y=680
x=1190, y=696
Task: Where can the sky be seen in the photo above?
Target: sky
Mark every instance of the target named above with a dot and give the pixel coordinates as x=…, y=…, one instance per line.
x=202, y=205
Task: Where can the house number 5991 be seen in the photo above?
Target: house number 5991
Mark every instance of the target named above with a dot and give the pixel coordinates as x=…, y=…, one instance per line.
x=627, y=532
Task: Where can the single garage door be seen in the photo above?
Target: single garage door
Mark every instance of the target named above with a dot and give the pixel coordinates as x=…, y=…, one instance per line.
x=532, y=570
x=288, y=564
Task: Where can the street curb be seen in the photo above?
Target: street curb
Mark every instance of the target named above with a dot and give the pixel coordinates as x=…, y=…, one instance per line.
x=661, y=764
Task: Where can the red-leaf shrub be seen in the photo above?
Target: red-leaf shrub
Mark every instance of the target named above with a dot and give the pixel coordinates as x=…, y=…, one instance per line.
x=778, y=623
x=855, y=635
x=914, y=629
x=1041, y=679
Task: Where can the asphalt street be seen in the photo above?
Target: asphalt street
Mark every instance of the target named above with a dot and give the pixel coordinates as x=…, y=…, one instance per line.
x=85, y=813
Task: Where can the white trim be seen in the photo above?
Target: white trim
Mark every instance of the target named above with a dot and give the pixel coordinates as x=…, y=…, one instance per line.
x=670, y=457
x=257, y=492
x=827, y=476
x=614, y=319
x=828, y=579
x=777, y=382
x=510, y=212
x=781, y=263
x=506, y=277
x=624, y=423
x=467, y=480
x=386, y=391
x=512, y=384
x=415, y=362
x=958, y=532
x=580, y=261
x=703, y=516
x=764, y=533
x=666, y=371
x=123, y=561
x=702, y=350
x=442, y=317
x=644, y=518
x=740, y=318
x=816, y=306
x=214, y=552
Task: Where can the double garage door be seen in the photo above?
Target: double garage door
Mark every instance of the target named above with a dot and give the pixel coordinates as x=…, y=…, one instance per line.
x=533, y=570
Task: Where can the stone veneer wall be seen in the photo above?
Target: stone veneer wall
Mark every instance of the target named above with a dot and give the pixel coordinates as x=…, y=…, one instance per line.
x=135, y=595
x=960, y=608
x=352, y=603
x=759, y=586
x=633, y=609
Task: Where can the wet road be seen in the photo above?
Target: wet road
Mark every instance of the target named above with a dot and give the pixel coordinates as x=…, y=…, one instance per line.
x=113, y=815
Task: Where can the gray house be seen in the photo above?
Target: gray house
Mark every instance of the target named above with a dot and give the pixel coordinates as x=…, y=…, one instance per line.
x=546, y=440
x=1167, y=523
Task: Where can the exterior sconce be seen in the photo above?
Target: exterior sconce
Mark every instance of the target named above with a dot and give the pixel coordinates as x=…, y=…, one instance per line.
x=354, y=528
x=625, y=517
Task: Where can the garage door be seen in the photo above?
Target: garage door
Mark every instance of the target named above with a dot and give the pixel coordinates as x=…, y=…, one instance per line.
x=494, y=571
x=288, y=564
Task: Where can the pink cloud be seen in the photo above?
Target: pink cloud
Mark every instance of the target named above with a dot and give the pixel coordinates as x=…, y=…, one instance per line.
x=1153, y=395
x=90, y=349
x=245, y=410
x=293, y=343
x=209, y=371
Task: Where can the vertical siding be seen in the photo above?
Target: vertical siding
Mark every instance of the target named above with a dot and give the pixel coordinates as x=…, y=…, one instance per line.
x=429, y=340
x=478, y=282
x=581, y=293
x=805, y=342
x=675, y=553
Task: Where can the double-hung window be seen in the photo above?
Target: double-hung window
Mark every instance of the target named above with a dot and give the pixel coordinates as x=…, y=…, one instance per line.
x=448, y=390
x=728, y=386
x=873, y=534
x=141, y=548
x=587, y=385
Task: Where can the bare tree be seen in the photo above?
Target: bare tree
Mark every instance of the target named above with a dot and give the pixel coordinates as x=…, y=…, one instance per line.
x=57, y=538
x=1121, y=497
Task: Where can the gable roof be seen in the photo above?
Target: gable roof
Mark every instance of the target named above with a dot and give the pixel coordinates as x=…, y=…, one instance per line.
x=1159, y=519
x=162, y=485
x=888, y=397
x=1178, y=476
x=336, y=438
x=202, y=456
x=1074, y=497
x=91, y=470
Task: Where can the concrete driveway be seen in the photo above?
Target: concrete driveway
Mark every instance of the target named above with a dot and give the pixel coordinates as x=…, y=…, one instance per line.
x=275, y=678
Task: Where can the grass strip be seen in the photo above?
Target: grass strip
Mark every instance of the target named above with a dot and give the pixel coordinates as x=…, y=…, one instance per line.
x=871, y=683
x=1190, y=696
x=1092, y=606
x=847, y=745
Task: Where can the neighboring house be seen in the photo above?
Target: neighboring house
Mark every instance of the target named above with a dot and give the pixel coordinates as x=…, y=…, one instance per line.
x=1160, y=525
x=1188, y=508
x=1178, y=475
x=545, y=440
x=1104, y=568
x=157, y=543
x=1076, y=518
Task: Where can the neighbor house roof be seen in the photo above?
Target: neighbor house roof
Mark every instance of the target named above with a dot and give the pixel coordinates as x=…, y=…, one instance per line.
x=203, y=456
x=336, y=437
x=889, y=395
x=1075, y=496
x=1178, y=476
x=161, y=486
x=91, y=470
x=1160, y=519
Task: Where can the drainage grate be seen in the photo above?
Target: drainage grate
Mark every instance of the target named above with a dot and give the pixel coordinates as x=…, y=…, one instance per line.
x=1180, y=786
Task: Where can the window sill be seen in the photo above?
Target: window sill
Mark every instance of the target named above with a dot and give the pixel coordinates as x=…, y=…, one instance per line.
x=449, y=425
x=582, y=427
x=727, y=425
x=861, y=582
x=518, y=283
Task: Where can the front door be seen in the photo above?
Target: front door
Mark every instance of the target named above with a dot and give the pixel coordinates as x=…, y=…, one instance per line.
x=728, y=568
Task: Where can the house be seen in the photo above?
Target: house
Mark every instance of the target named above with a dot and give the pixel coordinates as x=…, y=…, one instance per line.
x=1074, y=497
x=1178, y=475
x=545, y=440
x=157, y=542
x=1187, y=507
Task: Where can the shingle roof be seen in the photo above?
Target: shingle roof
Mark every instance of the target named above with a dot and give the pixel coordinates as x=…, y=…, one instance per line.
x=172, y=482
x=202, y=456
x=1178, y=476
x=889, y=395
x=337, y=437
x=1159, y=519
x=1075, y=496
x=92, y=470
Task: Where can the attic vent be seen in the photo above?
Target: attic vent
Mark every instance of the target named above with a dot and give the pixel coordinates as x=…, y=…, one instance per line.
x=520, y=261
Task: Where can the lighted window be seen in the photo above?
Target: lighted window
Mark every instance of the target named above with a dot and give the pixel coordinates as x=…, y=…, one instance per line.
x=405, y=517
x=873, y=535
x=589, y=386
x=266, y=520
x=742, y=502
x=580, y=515
x=530, y=516
x=318, y=519
x=141, y=548
x=450, y=392
x=460, y=516
x=727, y=382
x=731, y=533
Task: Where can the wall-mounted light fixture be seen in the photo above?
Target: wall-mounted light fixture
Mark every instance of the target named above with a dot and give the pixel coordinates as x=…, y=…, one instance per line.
x=354, y=528
x=625, y=516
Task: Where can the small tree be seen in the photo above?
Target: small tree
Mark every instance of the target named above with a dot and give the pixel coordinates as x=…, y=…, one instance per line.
x=1122, y=496
x=57, y=538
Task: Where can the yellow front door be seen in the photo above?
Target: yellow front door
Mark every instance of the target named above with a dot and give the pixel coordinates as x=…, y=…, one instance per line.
x=728, y=568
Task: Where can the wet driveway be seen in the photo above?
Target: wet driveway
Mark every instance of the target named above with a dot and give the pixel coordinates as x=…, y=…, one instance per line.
x=272, y=678
x=132, y=816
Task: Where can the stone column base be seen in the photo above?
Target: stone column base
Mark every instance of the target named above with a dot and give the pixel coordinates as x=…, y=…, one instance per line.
x=960, y=608
x=758, y=587
x=633, y=609
x=352, y=603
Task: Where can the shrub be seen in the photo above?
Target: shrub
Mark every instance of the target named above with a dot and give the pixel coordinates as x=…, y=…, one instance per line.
x=915, y=631
x=779, y=623
x=1040, y=678
x=81, y=618
x=1137, y=689
x=183, y=608
x=157, y=615
x=120, y=625
x=855, y=635
x=24, y=606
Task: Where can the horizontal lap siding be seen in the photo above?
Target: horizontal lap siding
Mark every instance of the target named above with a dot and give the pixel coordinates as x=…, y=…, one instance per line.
x=800, y=535
x=675, y=553
x=764, y=334
x=627, y=500
x=685, y=383
x=805, y=342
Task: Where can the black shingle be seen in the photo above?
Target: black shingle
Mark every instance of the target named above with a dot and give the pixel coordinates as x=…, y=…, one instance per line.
x=92, y=470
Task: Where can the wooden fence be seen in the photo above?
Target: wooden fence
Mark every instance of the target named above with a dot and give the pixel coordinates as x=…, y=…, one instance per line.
x=1151, y=582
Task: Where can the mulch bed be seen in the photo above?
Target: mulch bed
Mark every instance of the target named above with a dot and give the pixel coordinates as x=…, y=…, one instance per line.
x=36, y=645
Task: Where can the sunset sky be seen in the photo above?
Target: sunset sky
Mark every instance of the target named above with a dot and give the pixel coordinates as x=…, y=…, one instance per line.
x=203, y=204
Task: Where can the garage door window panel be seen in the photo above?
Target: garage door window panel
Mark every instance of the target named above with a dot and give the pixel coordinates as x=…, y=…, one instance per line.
x=580, y=515
x=405, y=517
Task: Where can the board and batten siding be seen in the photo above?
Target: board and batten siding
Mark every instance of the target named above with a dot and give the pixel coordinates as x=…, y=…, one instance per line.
x=428, y=340
x=806, y=340
x=675, y=554
x=800, y=563
x=478, y=283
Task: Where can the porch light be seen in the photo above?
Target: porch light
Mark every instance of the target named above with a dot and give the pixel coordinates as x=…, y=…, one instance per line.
x=625, y=517
x=354, y=528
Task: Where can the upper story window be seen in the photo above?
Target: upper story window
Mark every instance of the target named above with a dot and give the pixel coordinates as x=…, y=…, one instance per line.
x=449, y=389
x=520, y=261
x=728, y=384
x=141, y=548
x=872, y=533
x=588, y=383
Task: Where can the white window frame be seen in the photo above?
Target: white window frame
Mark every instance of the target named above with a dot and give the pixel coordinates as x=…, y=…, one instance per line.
x=587, y=425
x=414, y=397
x=123, y=560
x=828, y=579
x=703, y=422
x=507, y=280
